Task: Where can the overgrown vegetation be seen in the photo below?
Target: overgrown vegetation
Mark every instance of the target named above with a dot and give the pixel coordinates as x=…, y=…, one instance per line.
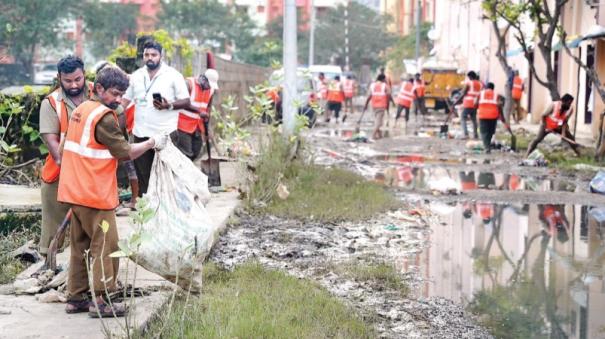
x=253, y=302
x=381, y=274
x=15, y=230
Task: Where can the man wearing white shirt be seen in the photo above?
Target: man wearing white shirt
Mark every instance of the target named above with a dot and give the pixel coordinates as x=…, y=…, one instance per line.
x=153, y=116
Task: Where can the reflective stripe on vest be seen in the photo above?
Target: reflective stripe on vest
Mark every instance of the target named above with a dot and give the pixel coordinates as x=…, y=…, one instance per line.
x=488, y=105
x=188, y=121
x=88, y=172
x=470, y=99
x=50, y=170
x=405, y=97
x=419, y=88
x=379, y=95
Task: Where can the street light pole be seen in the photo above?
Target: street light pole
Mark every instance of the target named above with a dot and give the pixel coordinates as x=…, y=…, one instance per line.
x=348, y=67
x=418, y=9
x=290, y=65
x=312, y=35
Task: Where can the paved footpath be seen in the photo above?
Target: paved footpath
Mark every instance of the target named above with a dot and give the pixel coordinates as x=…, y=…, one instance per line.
x=24, y=317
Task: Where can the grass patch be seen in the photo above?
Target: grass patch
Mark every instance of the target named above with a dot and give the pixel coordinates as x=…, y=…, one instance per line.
x=566, y=160
x=330, y=195
x=253, y=302
x=15, y=230
x=316, y=192
x=380, y=274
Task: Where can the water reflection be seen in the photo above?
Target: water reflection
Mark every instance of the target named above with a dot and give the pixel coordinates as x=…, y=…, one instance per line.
x=528, y=270
x=413, y=178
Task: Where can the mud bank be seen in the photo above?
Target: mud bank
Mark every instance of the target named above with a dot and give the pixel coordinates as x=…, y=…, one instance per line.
x=316, y=251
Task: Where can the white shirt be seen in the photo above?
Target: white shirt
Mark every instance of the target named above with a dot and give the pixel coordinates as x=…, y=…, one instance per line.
x=149, y=121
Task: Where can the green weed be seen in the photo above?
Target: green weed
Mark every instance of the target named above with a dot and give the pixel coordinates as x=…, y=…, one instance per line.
x=253, y=302
x=16, y=231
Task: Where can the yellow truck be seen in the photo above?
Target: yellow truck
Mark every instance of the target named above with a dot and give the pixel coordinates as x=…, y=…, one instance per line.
x=441, y=82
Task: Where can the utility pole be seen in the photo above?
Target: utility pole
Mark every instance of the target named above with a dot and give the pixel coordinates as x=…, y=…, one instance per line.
x=290, y=65
x=348, y=66
x=312, y=35
x=418, y=11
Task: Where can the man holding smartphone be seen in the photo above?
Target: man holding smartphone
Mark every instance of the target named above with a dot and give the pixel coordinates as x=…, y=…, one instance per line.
x=158, y=92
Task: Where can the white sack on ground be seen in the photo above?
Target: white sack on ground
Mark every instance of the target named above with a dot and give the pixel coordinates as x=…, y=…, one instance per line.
x=180, y=228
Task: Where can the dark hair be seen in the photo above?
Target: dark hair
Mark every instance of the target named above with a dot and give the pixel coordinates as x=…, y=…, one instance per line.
x=381, y=77
x=349, y=76
x=490, y=85
x=417, y=75
x=112, y=77
x=153, y=44
x=337, y=77
x=472, y=75
x=567, y=97
x=70, y=64
x=411, y=79
x=321, y=74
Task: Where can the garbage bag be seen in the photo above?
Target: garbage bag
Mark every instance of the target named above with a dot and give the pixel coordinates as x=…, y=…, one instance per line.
x=180, y=233
x=597, y=184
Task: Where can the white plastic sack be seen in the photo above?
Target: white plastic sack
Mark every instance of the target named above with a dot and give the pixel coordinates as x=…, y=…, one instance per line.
x=180, y=233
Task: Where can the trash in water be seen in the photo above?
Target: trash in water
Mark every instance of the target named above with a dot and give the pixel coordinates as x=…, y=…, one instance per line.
x=597, y=184
x=535, y=159
x=391, y=227
x=282, y=192
x=445, y=185
x=359, y=138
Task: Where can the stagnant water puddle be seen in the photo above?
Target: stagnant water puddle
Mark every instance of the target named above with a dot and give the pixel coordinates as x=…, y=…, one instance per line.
x=527, y=271
x=441, y=179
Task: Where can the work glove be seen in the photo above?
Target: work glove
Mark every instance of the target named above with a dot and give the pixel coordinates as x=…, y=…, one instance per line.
x=160, y=141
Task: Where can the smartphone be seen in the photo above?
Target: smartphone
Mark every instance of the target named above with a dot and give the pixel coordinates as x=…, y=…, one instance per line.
x=157, y=97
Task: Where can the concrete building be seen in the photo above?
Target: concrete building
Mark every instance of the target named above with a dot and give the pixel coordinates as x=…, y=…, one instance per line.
x=403, y=13
x=464, y=38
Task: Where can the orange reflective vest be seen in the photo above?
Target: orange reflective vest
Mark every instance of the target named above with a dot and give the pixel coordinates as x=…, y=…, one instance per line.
x=379, y=95
x=517, y=90
x=488, y=105
x=273, y=94
x=557, y=118
x=405, y=97
x=470, y=99
x=349, y=88
x=50, y=170
x=419, y=88
x=335, y=92
x=486, y=210
x=88, y=170
x=189, y=122
x=129, y=113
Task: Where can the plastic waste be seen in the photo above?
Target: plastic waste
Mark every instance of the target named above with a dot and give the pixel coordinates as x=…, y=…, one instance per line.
x=597, y=184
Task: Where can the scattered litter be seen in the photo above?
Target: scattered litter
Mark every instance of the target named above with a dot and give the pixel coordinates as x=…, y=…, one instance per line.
x=391, y=227
x=535, y=159
x=27, y=253
x=401, y=216
x=474, y=145
x=587, y=167
x=27, y=286
x=597, y=184
x=51, y=296
x=7, y=289
x=282, y=191
x=358, y=137
x=4, y=311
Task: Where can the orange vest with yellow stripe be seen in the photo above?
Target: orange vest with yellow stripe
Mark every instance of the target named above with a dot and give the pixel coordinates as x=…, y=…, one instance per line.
x=335, y=93
x=200, y=99
x=517, y=90
x=405, y=97
x=50, y=170
x=379, y=95
x=470, y=99
x=88, y=170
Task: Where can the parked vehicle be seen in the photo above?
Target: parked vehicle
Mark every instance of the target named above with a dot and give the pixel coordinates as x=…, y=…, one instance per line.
x=46, y=74
x=442, y=82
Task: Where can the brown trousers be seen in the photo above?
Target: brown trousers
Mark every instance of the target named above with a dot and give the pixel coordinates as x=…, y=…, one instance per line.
x=53, y=213
x=86, y=234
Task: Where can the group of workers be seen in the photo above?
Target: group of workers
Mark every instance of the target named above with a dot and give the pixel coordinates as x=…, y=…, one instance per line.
x=480, y=104
x=79, y=123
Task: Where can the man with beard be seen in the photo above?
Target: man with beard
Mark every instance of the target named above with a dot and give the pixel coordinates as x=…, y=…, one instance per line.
x=55, y=111
x=93, y=144
x=154, y=116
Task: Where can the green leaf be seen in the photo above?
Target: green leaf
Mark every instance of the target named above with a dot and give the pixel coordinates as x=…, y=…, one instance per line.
x=43, y=149
x=123, y=246
x=118, y=254
x=104, y=226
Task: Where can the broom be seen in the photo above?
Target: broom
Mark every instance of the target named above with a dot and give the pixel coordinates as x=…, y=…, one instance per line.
x=51, y=255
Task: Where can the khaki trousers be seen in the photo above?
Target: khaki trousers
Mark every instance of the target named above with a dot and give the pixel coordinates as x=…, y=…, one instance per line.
x=53, y=213
x=86, y=234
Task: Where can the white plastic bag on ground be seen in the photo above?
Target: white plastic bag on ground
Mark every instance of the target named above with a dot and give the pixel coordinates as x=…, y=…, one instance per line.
x=180, y=234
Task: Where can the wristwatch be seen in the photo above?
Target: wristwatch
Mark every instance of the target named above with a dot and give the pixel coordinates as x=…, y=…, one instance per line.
x=171, y=106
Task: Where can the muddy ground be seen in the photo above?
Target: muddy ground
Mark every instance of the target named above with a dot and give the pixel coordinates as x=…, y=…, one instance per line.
x=427, y=240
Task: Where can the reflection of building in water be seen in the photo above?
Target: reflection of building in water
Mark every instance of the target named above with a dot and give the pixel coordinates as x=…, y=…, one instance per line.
x=457, y=266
